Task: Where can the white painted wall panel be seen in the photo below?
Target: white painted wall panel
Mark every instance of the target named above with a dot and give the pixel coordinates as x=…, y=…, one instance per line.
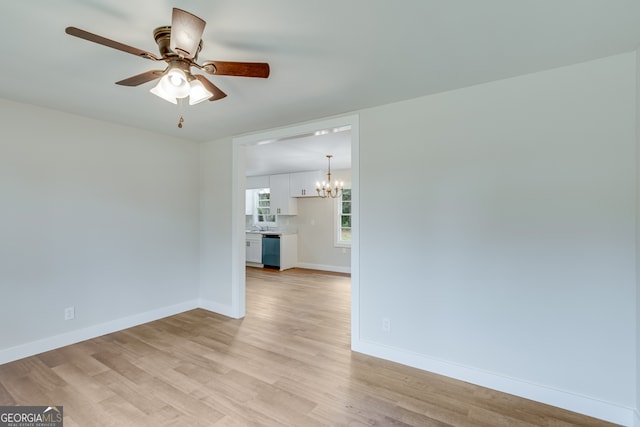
x=215, y=226
x=498, y=228
x=92, y=215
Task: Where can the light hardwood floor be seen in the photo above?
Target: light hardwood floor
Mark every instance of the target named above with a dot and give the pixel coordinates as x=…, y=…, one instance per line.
x=287, y=363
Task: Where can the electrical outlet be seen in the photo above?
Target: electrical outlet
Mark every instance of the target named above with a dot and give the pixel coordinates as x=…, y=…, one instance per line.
x=386, y=324
x=69, y=313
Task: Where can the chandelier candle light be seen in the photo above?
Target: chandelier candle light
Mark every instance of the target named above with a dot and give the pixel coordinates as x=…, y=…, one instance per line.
x=328, y=188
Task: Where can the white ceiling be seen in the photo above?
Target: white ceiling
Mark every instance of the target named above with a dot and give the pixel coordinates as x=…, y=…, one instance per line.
x=327, y=57
x=300, y=153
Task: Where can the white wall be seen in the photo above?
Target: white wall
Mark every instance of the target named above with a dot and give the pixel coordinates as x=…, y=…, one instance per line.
x=215, y=226
x=514, y=250
x=637, y=411
x=92, y=215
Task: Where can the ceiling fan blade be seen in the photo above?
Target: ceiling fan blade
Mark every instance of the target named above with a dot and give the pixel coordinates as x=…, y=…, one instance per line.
x=241, y=69
x=186, y=33
x=77, y=32
x=141, y=78
x=217, y=93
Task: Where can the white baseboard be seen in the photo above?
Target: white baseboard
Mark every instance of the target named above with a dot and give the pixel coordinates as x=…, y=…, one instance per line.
x=333, y=268
x=254, y=264
x=550, y=396
x=225, y=310
x=50, y=343
x=636, y=418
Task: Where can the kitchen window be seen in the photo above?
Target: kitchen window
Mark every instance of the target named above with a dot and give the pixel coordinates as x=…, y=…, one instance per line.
x=263, y=208
x=343, y=222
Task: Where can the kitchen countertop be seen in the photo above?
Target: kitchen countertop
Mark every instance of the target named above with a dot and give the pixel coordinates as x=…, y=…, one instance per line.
x=270, y=232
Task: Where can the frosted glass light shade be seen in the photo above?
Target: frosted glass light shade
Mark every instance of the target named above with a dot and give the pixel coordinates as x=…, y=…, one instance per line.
x=172, y=86
x=175, y=83
x=158, y=90
x=198, y=92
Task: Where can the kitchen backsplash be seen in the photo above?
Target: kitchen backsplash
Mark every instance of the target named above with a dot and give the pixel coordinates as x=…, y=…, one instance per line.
x=285, y=223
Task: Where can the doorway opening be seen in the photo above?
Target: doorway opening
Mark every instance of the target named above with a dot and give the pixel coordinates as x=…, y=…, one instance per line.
x=240, y=147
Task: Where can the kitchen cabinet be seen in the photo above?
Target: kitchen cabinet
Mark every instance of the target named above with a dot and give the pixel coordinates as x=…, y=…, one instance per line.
x=303, y=184
x=281, y=201
x=288, y=251
x=254, y=248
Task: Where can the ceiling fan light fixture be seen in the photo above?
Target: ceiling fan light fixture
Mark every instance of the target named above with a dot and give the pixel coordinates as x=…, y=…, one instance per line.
x=172, y=86
x=179, y=45
x=198, y=92
x=159, y=90
x=175, y=82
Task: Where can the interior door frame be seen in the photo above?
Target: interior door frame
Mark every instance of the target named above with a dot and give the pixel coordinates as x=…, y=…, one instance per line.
x=238, y=259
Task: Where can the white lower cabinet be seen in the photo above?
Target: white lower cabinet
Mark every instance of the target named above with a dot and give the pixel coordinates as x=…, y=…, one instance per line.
x=288, y=244
x=254, y=248
x=288, y=251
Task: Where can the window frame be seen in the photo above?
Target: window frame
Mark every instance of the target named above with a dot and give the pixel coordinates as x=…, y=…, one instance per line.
x=257, y=215
x=337, y=235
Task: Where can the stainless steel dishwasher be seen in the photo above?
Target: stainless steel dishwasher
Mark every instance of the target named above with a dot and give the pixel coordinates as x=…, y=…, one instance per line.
x=271, y=250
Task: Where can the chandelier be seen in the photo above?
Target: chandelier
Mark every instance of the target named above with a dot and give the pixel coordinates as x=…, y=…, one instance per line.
x=329, y=188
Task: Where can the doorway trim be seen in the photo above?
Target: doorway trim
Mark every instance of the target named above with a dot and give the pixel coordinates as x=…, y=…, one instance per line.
x=238, y=182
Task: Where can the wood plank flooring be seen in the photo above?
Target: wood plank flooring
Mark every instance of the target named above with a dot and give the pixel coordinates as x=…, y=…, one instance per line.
x=287, y=363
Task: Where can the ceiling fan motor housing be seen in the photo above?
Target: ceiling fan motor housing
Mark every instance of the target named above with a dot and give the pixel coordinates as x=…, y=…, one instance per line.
x=162, y=36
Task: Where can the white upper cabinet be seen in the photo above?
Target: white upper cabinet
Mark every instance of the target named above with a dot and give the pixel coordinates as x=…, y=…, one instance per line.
x=281, y=201
x=303, y=184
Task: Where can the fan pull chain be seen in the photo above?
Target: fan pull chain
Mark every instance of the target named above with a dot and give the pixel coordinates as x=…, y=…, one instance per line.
x=181, y=120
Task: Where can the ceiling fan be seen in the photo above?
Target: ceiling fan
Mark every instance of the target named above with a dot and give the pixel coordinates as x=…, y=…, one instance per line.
x=179, y=45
